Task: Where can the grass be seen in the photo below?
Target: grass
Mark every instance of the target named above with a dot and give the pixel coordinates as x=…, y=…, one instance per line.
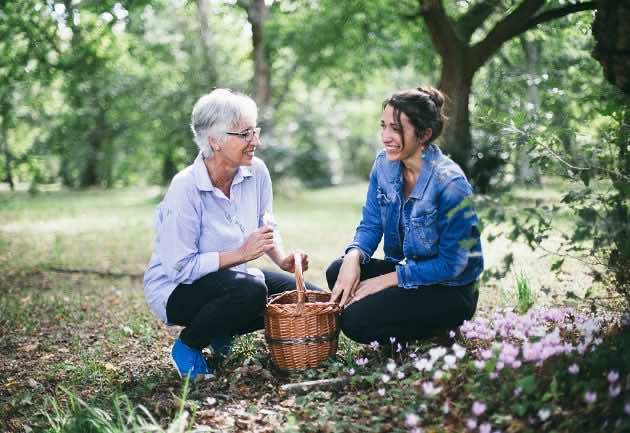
x=72, y=342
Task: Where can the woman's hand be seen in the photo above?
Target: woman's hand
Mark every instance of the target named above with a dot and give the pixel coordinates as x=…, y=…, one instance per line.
x=258, y=243
x=348, y=278
x=288, y=262
x=374, y=285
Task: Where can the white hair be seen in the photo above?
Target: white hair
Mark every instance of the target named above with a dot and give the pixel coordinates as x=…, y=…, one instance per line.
x=217, y=112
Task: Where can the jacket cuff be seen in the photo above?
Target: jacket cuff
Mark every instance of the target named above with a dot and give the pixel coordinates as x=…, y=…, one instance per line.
x=404, y=277
x=364, y=255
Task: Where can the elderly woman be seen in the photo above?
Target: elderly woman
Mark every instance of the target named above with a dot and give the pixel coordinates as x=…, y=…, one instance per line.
x=214, y=219
x=419, y=200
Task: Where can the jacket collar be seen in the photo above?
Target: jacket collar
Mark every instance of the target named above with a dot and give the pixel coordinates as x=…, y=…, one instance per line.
x=430, y=159
x=202, y=179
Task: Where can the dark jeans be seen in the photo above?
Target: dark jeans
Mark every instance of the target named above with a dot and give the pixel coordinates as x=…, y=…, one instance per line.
x=224, y=303
x=407, y=314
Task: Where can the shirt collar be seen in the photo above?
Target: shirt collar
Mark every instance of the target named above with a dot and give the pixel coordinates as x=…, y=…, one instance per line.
x=429, y=160
x=202, y=178
x=430, y=156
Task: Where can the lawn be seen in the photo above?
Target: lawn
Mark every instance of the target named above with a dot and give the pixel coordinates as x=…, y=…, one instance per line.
x=76, y=336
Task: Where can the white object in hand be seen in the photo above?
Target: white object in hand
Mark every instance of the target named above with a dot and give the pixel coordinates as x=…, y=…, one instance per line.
x=268, y=220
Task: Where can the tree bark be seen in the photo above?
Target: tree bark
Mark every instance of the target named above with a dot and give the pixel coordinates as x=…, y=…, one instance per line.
x=456, y=83
x=203, y=16
x=4, y=131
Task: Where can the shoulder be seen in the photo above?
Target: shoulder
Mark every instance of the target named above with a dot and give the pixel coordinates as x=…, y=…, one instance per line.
x=448, y=174
x=259, y=167
x=182, y=187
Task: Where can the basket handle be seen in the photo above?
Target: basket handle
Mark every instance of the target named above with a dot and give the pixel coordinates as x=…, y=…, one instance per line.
x=299, y=283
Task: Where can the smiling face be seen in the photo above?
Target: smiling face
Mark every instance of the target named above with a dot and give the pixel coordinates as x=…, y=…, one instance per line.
x=392, y=133
x=237, y=150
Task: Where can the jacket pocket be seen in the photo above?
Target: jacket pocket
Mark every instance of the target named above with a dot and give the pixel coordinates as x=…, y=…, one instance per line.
x=425, y=230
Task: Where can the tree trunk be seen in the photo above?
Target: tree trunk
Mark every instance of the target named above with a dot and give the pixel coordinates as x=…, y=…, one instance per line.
x=456, y=83
x=5, y=147
x=92, y=174
x=524, y=171
x=203, y=16
x=256, y=15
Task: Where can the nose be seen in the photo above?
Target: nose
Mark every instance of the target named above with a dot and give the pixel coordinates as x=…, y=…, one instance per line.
x=386, y=135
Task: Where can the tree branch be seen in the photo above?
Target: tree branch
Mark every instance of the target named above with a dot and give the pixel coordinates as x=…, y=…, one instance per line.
x=523, y=18
x=441, y=28
x=504, y=30
x=474, y=18
x=556, y=13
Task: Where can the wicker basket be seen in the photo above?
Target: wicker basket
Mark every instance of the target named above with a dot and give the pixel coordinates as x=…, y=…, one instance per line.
x=301, y=326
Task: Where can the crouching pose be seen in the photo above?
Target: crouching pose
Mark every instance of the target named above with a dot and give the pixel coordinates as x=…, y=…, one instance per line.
x=214, y=219
x=419, y=201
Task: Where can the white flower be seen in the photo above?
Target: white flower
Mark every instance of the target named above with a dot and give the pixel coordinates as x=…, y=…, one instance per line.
x=450, y=361
x=391, y=366
x=385, y=378
x=351, y=371
x=459, y=351
x=400, y=375
x=471, y=423
x=445, y=407
x=614, y=391
x=412, y=420
x=381, y=392
x=574, y=369
x=543, y=414
x=436, y=353
x=613, y=376
x=439, y=374
x=430, y=390
x=485, y=428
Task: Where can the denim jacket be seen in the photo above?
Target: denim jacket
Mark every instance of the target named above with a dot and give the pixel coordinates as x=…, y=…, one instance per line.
x=441, y=242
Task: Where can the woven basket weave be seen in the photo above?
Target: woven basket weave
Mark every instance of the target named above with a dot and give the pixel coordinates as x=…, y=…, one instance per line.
x=301, y=326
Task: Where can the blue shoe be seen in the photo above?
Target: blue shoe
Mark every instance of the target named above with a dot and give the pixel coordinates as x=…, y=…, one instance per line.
x=222, y=346
x=189, y=361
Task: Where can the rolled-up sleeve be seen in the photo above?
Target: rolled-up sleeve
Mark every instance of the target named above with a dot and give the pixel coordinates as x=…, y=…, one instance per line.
x=370, y=229
x=178, y=228
x=456, y=219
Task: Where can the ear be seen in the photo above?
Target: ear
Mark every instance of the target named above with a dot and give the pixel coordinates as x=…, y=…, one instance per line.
x=214, y=144
x=425, y=136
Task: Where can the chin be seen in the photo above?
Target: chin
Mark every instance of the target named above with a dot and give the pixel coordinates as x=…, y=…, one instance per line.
x=392, y=156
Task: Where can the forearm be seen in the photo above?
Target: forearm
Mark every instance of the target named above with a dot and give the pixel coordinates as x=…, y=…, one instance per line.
x=277, y=254
x=228, y=259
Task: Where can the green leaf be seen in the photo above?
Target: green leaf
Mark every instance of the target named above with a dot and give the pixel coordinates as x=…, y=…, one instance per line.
x=527, y=384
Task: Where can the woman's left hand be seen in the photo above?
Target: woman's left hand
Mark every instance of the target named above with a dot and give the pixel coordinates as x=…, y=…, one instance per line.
x=374, y=285
x=288, y=262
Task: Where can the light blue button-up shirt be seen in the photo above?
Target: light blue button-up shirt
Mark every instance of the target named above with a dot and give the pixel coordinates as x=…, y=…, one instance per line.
x=195, y=221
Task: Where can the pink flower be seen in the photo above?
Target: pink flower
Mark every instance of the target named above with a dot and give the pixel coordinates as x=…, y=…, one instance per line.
x=480, y=364
x=429, y=389
x=485, y=428
x=626, y=408
x=381, y=392
x=361, y=362
x=590, y=397
x=478, y=408
x=574, y=369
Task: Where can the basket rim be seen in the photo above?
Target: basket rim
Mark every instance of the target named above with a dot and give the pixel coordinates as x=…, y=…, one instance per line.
x=289, y=292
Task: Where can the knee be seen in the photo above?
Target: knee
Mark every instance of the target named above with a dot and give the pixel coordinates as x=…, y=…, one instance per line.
x=252, y=294
x=354, y=326
x=332, y=272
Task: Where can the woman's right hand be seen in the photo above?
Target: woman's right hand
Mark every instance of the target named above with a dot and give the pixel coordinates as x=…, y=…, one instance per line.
x=257, y=244
x=348, y=278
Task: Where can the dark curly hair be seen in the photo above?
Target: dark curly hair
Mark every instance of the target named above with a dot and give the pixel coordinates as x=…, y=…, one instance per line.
x=424, y=106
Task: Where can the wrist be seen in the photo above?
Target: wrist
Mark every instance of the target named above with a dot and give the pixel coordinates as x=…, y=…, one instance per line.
x=354, y=255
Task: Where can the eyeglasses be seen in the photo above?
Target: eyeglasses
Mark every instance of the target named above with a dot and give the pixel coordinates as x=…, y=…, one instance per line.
x=247, y=135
